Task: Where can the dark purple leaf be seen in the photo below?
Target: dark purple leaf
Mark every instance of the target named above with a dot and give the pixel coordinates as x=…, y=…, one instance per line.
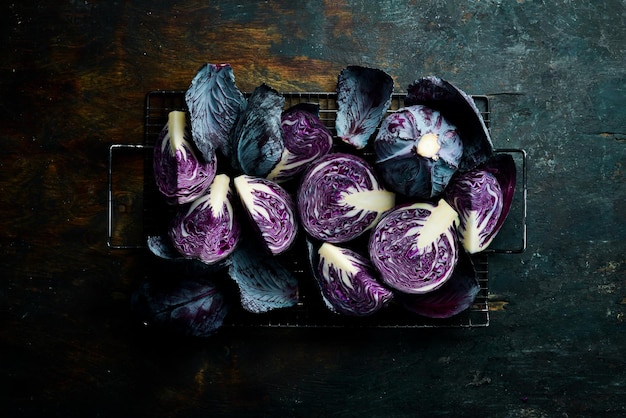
x=264, y=283
x=256, y=138
x=214, y=101
x=363, y=97
x=194, y=308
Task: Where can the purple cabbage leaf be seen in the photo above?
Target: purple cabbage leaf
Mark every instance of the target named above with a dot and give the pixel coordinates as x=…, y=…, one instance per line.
x=340, y=198
x=417, y=151
x=363, y=98
x=456, y=295
x=306, y=139
x=271, y=209
x=207, y=229
x=415, y=247
x=194, y=308
x=181, y=174
x=482, y=197
x=460, y=109
x=256, y=137
x=264, y=283
x=214, y=102
x=347, y=281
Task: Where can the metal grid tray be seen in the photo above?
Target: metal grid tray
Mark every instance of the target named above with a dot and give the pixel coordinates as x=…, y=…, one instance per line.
x=132, y=216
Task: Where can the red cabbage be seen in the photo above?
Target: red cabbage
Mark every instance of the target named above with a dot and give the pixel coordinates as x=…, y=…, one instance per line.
x=181, y=175
x=214, y=102
x=417, y=152
x=414, y=246
x=207, y=229
x=363, y=97
x=460, y=109
x=194, y=308
x=482, y=197
x=453, y=297
x=256, y=137
x=306, y=139
x=271, y=210
x=347, y=281
x=264, y=283
x=340, y=198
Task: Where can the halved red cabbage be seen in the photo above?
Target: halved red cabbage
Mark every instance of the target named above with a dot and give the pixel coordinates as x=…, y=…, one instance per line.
x=181, y=175
x=256, y=137
x=414, y=247
x=207, y=229
x=347, y=281
x=417, y=151
x=271, y=210
x=264, y=283
x=482, y=197
x=453, y=297
x=214, y=101
x=460, y=109
x=341, y=197
x=363, y=97
x=306, y=139
x=194, y=308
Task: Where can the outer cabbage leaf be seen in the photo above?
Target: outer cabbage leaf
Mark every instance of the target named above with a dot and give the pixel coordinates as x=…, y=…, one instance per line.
x=306, y=139
x=264, y=283
x=271, y=210
x=414, y=247
x=363, y=97
x=256, y=138
x=181, y=175
x=347, y=281
x=460, y=109
x=417, y=151
x=214, y=102
x=195, y=308
x=207, y=228
x=453, y=297
x=482, y=197
x=340, y=198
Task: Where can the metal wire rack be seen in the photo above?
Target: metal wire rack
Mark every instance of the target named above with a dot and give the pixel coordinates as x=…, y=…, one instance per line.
x=134, y=216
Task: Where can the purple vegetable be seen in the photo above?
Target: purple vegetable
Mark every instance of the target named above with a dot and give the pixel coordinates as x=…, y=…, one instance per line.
x=340, y=198
x=207, y=228
x=459, y=108
x=482, y=197
x=347, y=281
x=256, y=138
x=195, y=308
x=214, y=102
x=414, y=247
x=305, y=138
x=363, y=97
x=181, y=176
x=453, y=297
x=271, y=210
x=417, y=152
x=264, y=283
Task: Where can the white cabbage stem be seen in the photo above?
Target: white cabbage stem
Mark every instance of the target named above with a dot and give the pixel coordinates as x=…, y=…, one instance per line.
x=428, y=146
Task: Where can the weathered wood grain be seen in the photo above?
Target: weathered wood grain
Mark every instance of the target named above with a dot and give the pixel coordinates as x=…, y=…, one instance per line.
x=73, y=80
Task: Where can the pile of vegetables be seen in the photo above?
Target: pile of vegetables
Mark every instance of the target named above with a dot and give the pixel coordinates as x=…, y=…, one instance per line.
x=386, y=212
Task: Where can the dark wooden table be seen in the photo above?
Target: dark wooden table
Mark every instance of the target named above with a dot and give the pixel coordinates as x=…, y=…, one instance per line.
x=73, y=80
